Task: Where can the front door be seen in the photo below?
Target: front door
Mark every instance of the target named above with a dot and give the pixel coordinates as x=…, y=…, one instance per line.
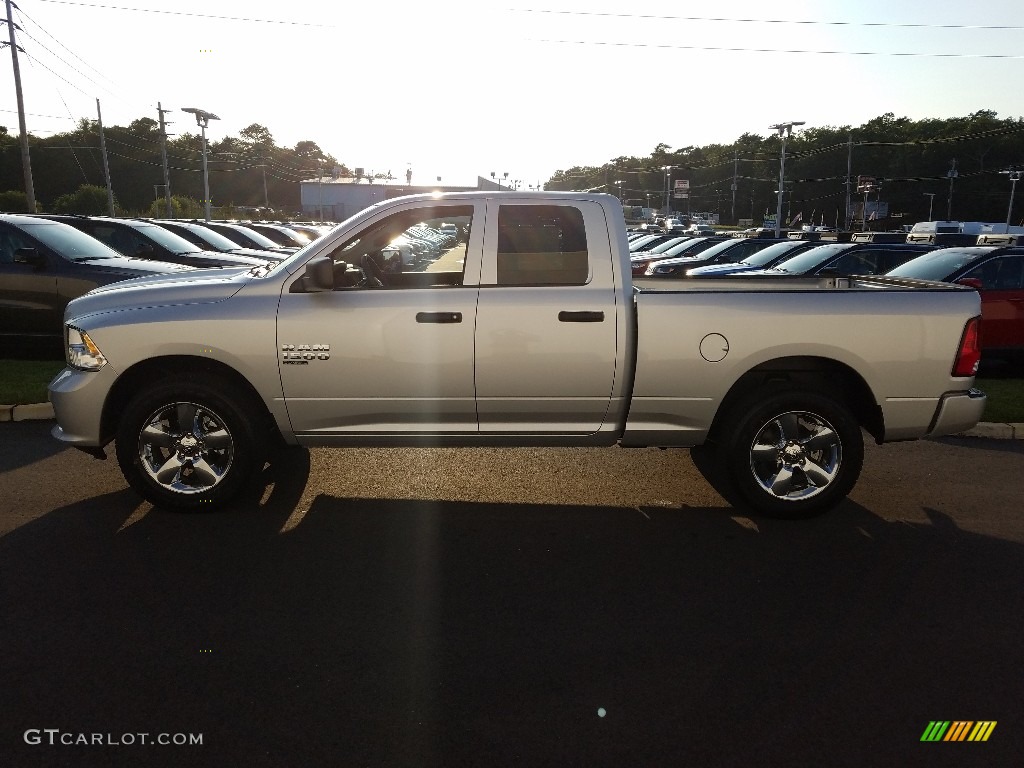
x=28, y=291
x=390, y=350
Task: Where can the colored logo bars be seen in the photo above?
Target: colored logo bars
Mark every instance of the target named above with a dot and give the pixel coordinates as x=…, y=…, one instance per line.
x=958, y=730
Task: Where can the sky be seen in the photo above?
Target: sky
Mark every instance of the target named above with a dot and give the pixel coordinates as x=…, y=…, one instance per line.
x=461, y=89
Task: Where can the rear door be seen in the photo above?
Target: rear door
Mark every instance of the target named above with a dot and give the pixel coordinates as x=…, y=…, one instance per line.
x=546, y=322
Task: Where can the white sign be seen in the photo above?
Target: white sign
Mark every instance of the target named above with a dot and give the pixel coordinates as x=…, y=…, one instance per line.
x=680, y=194
x=682, y=183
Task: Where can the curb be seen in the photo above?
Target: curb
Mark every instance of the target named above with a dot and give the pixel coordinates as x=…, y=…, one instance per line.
x=991, y=430
x=995, y=430
x=31, y=412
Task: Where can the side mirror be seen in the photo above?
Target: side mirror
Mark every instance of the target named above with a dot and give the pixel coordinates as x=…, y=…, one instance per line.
x=970, y=282
x=319, y=275
x=30, y=256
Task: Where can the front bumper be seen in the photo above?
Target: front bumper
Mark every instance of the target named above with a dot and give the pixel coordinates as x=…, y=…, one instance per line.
x=78, y=398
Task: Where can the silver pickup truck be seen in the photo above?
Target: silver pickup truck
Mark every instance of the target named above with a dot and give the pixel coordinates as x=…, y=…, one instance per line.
x=518, y=324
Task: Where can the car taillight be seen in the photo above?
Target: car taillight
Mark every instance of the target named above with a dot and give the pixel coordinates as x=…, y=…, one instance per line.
x=969, y=355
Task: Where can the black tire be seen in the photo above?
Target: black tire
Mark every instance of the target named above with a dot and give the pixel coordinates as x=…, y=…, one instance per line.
x=190, y=445
x=790, y=453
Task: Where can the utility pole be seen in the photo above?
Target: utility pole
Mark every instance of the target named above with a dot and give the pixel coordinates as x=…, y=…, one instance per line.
x=952, y=174
x=26, y=160
x=849, y=171
x=106, y=165
x=735, y=161
x=163, y=159
x=263, y=167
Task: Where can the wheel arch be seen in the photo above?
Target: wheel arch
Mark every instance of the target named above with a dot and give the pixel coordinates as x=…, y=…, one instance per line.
x=146, y=371
x=818, y=374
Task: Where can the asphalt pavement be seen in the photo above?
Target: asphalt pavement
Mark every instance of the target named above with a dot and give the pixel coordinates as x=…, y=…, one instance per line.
x=448, y=607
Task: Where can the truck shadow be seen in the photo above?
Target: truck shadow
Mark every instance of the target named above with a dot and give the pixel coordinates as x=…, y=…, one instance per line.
x=422, y=633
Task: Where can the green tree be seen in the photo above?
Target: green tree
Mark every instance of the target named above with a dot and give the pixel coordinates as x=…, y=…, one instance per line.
x=13, y=201
x=88, y=200
x=181, y=208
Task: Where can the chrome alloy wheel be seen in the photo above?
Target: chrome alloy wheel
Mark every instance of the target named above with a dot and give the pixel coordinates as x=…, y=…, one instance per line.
x=796, y=456
x=185, y=448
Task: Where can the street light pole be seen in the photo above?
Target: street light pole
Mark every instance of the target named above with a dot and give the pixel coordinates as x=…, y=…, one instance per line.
x=1014, y=175
x=203, y=119
x=668, y=181
x=952, y=174
x=785, y=130
x=931, y=201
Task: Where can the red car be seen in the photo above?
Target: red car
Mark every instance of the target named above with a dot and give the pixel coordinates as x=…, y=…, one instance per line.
x=997, y=274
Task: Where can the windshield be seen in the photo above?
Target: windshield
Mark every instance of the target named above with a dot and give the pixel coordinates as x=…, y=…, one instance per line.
x=772, y=252
x=215, y=240
x=714, y=250
x=663, y=247
x=938, y=265
x=802, y=262
x=172, y=242
x=243, y=234
x=691, y=246
x=69, y=242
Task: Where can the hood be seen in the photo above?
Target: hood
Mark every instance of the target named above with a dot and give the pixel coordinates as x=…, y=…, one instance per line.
x=124, y=266
x=263, y=256
x=207, y=259
x=195, y=286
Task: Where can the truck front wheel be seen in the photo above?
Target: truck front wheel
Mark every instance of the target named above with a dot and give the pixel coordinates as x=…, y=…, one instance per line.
x=792, y=454
x=188, y=445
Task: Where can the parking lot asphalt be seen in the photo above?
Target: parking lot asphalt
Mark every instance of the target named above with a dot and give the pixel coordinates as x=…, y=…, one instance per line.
x=441, y=607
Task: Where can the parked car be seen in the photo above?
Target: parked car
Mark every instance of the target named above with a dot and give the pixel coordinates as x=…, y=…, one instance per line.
x=280, y=234
x=45, y=264
x=209, y=240
x=650, y=243
x=145, y=240
x=774, y=254
x=328, y=350
x=245, y=237
x=312, y=231
x=997, y=274
x=690, y=246
x=700, y=230
x=847, y=259
x=729, y=251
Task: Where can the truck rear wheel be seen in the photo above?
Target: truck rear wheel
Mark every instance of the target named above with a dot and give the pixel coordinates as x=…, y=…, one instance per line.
x=792, y=454
x=189, y=445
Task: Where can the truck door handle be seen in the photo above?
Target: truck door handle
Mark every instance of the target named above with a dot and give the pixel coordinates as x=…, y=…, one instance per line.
x=580, y=317
x=438, y=317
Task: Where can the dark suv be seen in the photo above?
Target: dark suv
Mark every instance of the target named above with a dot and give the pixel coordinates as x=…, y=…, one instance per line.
x=44, y=265
x=143, y=240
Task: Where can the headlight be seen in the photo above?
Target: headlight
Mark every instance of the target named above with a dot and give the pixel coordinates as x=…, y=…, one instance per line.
x=82, y=352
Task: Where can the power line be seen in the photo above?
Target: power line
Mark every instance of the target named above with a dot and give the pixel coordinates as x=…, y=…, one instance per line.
x=22, y=14
x=666, y=46
x=196, y=15
x=660, y=17
x=69, y=66
x=32, y=58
